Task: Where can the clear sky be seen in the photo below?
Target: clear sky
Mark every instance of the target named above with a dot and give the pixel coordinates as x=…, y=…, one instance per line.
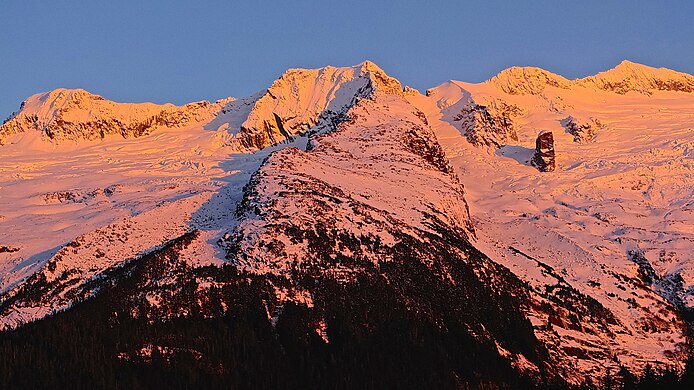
x=182, y=51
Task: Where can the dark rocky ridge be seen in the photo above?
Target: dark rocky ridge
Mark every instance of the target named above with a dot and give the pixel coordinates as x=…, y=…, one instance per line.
x=216, y=327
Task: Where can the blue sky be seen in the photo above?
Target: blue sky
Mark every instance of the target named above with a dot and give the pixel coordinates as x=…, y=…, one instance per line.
x=182, y=51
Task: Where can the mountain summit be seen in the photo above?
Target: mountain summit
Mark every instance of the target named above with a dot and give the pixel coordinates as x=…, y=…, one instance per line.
x=75, y=114
x=629, y=76
x=527, y=80
x=626, y=77
x=299, y=98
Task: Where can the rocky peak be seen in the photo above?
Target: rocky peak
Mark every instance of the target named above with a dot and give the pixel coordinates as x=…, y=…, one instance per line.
x=527, y=80
x=381, y=80
x=300, y=97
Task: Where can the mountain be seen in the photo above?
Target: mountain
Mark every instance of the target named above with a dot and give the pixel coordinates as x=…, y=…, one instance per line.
x=629, y=76
x=65, y=114
x=623, y=165
x=626, y=77
x=340, y=228
x=527, y=80
x=295, y=102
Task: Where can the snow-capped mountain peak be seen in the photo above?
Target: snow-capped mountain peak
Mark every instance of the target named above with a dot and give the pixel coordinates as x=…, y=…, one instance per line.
x=626, y=77
x=527, y=80
x=76, y=114
x=630, y=76
x=297, y=99
x=78, y=105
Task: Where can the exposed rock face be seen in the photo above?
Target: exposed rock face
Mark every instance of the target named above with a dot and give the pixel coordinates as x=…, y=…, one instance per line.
x=409, y=91
x=669, y=285
x=583, y=131
x=490, y=126
x=9, y=249
x=544, y=152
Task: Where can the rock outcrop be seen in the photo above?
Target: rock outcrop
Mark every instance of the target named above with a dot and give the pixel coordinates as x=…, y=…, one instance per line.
x=490, y=126
x=543, y=158
x=584, y=131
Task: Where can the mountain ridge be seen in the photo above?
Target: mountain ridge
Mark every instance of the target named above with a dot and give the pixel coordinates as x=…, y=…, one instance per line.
x=104, y=117
x=625, y=77
x=291, y=105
